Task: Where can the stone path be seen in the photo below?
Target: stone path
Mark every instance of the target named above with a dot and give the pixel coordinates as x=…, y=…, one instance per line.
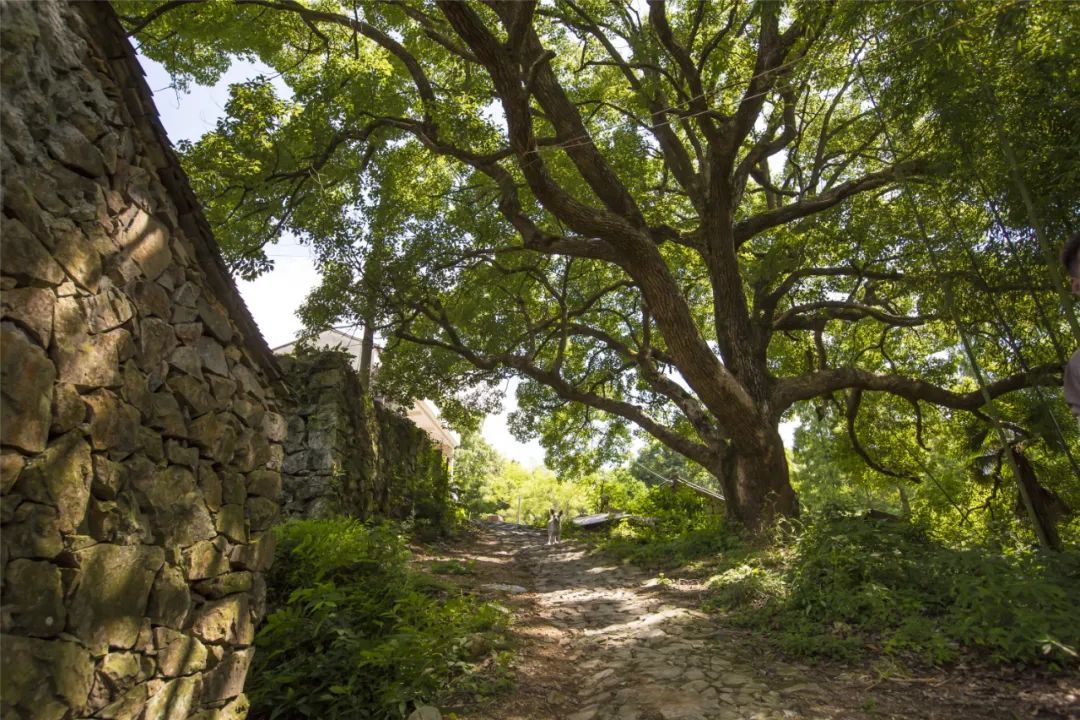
x=638, y=656
x=609, y=642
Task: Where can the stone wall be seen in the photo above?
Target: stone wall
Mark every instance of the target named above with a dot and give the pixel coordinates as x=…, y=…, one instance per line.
x=141, y=446
x=347, y=453
x=331, y=452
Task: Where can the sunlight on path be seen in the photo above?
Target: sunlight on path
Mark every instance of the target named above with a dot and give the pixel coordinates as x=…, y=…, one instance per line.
x=635, y=654
x=610, y=642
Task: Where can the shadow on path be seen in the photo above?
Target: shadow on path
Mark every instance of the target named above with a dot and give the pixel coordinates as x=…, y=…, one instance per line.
x=602, y=641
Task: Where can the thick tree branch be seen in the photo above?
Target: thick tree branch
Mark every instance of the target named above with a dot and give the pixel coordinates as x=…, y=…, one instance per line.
x=696, y=451
x=796, y=317
x=789, y=391
x=748, y=228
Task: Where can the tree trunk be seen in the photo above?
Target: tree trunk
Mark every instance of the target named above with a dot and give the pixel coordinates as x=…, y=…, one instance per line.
x=367, y=347
x=757, y=486
x=1034, y=497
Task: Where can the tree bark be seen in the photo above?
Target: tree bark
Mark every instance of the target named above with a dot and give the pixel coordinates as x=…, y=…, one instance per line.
x=1034, y=497
x=757, y=486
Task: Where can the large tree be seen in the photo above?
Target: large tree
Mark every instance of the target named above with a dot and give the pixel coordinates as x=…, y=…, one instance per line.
x=665, y=216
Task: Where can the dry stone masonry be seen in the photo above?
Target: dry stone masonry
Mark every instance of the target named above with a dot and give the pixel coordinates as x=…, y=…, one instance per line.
x=141, y=439
x=348, y=452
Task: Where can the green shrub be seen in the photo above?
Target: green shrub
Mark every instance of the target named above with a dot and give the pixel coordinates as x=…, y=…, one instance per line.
x=675, y=526
x=846, y=584
x=353, y=633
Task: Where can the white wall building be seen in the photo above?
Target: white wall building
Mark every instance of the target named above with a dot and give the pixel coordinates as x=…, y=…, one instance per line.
x=423, y=413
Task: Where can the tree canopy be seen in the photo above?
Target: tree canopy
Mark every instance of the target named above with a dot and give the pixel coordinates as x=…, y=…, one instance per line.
x=692, y=219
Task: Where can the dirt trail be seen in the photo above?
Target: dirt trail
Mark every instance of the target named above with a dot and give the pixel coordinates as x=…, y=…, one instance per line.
x=608, y=642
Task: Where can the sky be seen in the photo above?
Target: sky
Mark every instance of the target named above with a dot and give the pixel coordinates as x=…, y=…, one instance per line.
x=274, y=297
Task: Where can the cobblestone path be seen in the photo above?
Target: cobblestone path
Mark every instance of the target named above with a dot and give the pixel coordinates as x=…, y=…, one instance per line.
x=608, y=642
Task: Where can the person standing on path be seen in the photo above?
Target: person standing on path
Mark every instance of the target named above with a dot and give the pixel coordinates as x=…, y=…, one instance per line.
x=1070, y=257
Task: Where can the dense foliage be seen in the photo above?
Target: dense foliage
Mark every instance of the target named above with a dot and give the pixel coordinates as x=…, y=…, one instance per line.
x=489, y=484
x=353, y=633
x=693, y=219
x=846, y=585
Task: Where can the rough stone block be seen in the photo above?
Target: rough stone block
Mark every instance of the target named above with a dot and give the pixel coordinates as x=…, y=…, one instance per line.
x=25, y=258
x=108, y=477
x=34, y=594
x=170, y=600
x=33, y=671
x=68, y=409
x=114, y=424
x=226, y=680
x=231, y=523
x=226, y=621
x=107, y=309
x=11, y=465
x=193, y=392
x=91, y=361
x=205, y=559
x=176, y=699
x=262, y=513
x=151, y=444
x=180, y=517
x=216, y=434
x=186, y=359
x=264, y=483
x=135, y=389
x=102, y=519
x=26, y=388
x=119, y=669
x=129, y=706
x=276, y=458
x=32, y=309
x=181, y=314
x=296, y=463
x=234, y=488
x=249, y=382
x=256, y=556
x=151, y=298
x=71, y=148
x=236, y=709
x=226, y=584
x=145, y=242
x=275, y=427
x=187, y=295
x=210, y=485
x=61, y=477
x=157, y=339
x=177, y=653
x=114, y=589
x=77, y=255
x=215, y=319
x=182, y=454
x=33, y=532
x=189, y=332
x=167, y=415
x=212, y=355
x=223, y=389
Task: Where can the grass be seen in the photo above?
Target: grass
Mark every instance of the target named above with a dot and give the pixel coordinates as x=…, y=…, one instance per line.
x=355, y=632
x=847, y=587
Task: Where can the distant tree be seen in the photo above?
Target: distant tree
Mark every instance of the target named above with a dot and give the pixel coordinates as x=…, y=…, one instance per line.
x=476, y=466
